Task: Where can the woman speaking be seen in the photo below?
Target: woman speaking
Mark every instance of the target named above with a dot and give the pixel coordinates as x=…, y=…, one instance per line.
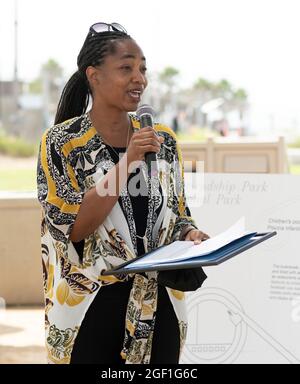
x=91, y=164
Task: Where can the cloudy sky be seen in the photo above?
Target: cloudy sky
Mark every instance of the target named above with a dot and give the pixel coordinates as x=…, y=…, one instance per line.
x=252, y=43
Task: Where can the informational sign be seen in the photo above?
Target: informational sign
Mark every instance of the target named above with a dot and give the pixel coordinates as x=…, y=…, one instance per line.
x=248, y=310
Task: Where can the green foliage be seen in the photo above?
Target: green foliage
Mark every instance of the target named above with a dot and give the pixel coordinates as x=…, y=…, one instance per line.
x=52, y=66
x=222, y=88
x=240, y=94
x=16, y=147
x=168, y=76
x=203, y=85
x=295, y=144
x=52, y=69
x=36, y=86
x=295, y=169
x=19, y=180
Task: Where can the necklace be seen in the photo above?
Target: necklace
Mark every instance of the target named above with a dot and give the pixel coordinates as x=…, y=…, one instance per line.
x=106, y=141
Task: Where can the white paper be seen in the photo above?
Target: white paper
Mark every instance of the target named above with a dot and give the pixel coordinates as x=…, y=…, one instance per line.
x=182, y=250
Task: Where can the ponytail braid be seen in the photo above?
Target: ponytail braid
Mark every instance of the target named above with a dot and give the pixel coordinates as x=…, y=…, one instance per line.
x=74, y=99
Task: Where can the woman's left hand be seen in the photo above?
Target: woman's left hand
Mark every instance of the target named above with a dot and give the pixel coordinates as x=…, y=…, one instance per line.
x=196, y=236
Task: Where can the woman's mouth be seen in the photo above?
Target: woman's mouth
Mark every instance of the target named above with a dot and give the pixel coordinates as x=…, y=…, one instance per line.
x=135, y=95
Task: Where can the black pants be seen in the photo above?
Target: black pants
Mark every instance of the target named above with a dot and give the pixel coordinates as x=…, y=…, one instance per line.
x=101, y=335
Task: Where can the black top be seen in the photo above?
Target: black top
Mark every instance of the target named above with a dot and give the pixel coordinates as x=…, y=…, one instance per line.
x=139, y=202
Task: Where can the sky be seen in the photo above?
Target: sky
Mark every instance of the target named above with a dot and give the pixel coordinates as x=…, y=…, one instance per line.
x=252, y=43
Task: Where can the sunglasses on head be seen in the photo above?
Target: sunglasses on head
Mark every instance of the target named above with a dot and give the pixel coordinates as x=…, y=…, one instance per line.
x=105, y=27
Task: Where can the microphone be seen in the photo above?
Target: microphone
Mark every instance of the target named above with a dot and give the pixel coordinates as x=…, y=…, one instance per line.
x=145, y=113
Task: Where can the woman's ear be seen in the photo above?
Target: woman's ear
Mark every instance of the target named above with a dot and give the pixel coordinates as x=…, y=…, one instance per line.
x=92, y=75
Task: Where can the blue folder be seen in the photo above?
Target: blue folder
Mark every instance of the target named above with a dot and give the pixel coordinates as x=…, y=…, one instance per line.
x=214, y=258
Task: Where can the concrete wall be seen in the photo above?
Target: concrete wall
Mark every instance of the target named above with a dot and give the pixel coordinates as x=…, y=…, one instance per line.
x=20, y=260
x=244, y=155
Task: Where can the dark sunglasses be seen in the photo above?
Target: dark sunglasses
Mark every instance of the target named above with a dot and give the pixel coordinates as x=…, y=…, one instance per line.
x=104, y=27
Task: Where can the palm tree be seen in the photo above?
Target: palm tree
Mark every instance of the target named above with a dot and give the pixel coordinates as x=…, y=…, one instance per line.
x=204, y=89
x=240, y=98
x=168, y=78
x=51, y=78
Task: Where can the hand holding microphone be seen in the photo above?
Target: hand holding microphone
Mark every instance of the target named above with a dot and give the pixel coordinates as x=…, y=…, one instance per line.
x=145, y=144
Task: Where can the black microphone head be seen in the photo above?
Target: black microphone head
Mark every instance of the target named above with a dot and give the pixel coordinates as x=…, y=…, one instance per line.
x=146, y=113
x=145, y=109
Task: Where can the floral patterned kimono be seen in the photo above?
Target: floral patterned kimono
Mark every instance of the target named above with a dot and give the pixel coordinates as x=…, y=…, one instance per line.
x=73, y=157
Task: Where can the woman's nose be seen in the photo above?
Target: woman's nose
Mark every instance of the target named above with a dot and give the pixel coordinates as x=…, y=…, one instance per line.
x=140, y=78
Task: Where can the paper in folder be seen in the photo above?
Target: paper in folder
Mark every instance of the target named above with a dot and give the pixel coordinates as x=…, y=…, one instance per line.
x=185, y=254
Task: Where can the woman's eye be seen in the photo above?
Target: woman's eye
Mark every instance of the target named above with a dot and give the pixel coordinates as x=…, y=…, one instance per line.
x=144, y=69
x=126, y=68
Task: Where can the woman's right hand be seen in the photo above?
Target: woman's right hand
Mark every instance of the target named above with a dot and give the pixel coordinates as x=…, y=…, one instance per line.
x=143, y=141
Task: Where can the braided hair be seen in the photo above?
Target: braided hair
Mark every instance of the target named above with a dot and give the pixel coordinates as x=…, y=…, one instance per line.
x=74, y=99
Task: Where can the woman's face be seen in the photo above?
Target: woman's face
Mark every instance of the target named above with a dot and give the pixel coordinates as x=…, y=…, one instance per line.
x=121, y=79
